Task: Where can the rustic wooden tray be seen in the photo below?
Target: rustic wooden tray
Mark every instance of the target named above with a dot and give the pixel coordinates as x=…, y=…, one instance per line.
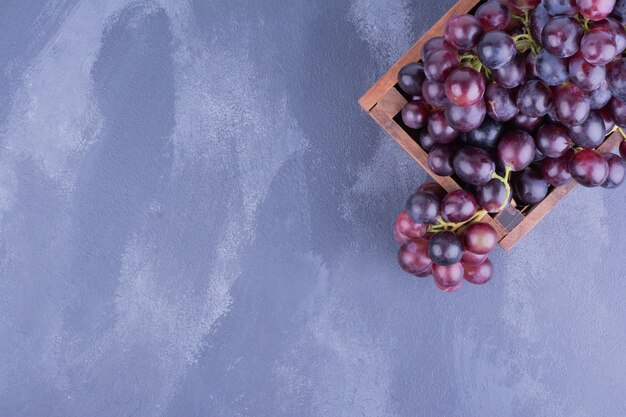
x=383, y=102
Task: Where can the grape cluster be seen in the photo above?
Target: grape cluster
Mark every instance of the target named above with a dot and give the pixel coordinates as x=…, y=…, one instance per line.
x=512, y=101
x=441, y=235
x=515, y=99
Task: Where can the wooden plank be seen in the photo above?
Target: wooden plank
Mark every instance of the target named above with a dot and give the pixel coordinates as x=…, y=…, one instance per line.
x=542, y=209
x=391, y=103
x=387, y=81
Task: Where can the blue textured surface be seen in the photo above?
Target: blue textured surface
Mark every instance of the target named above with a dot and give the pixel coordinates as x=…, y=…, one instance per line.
x=195, y=221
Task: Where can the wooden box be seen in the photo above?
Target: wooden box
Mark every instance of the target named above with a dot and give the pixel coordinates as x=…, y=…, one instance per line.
x=383, y=102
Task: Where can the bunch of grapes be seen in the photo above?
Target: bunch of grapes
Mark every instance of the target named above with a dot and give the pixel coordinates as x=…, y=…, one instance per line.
x=441, y=235
x=516, y=98
x=512, y=101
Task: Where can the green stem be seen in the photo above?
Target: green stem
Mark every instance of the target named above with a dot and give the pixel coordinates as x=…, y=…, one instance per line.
x=621, y=132
x=443, y=226
x=506, y=181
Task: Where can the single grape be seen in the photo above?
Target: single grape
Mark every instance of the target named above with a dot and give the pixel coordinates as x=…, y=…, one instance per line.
x=598, y=47
x=479, y=238
x=595, y=9
x=560, y=7
x=445, y=248
x=511, y=74
x=530, y=187
x=527, y=123
x=590, y=133
x=619, y=12
x=556, y=170
x=435, y=44
x=448, y=278
x=425, y=140
x=600, y=96
x=622, y=149
x=617, y=169
x=496, y=49
x=474, y=165
x=572, y=104
x=493, y=15
x=492, y=196
x=561, y=36
x=463, y=31
x=584, y=75
x=434, y=189
x=553, y=140
x=405, y=229
x=487, y=135
x=464, y=86
x=539, y=18
x=516, y=150
x=605, y=114
x=525, y=4
x=617, y=109
x=501, y=103
x=415, y=114
x=427, y=272
x=465, y=119
x=438, y=64
x=589, y=168
x=423, y=207
x=458, y=206
x=413, y=256
x=531, y=65
x=411, y=77
x=470, y=258
x=478, y=274
x=550, y=69
x=439, y=128
x=434, y=93
x=534, y=99
x=616, y=78
x=440, y=160
x=617, y=31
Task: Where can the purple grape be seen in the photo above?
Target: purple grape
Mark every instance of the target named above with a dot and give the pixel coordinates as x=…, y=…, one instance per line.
x=560, y=7
x=474, y=165
x=448, y=278
x=478, y=274
x=445, y=249
x=512, y=74
x=524, y=4
x=464, y=119
x=501, y=103
x=485, y=136
x=423, y=207
x=464, y=87
x=439, y=128
x=492, y=196
x=405, y=229
x=440, y=160
x=595, y=9
x=411, y=77
x=413, y=256
x=622, y=149
x=425, y=140
x=458, y=206
x=590, y=133
x=551, y=69
x=527, y=123
x=553, y=140
x=434, y=93
x=599, y=97
x=479, y=238
x=493, y=15
x=572, y=104
x=584, y=75
x=561, y=36
x=530, y=187
x=605, y=114
x=438, y=64
x=496, y=49
x=516, y=150
x=415, y=114
x=534, y=99
x=435, y=44
x=539, y=18
x=589, y=168
x=617, y=31
x=556, y=170
x=617, y=169
x=616, y=78
x=617, y=109
x=598, y=47
x=463, y=31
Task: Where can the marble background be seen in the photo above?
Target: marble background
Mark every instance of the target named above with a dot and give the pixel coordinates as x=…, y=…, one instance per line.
x=195, y=221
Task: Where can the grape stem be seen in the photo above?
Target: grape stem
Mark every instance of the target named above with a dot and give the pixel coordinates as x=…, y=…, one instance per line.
x=472, y=61
x=525, y=41
x=506, y=181
x=621, y=132
x=444, y=226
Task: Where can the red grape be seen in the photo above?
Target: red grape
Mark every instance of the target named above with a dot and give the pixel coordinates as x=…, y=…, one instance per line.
x=465, y=119
x=479, y=238
x=595, y=9
x=445, y=248
x=458, y=206
x=586, y=76
x=474, y=165
x=598, y=47
x=572, y=104
x=605, y=114
x=600, y=96
x=448, y=278
x=492, y=196
x=617, y=109
x=440, y=160
x=553, y=140
x=496, y=49
x=530, y=187
x=617, y=31
x=434, y=93
x=539, y=18
x=516, y=150
x=463, y=31
x=617, y=169
x=415, y=114
x=413, y=256
x=561, y=36
x=428, y=272
x=511, y=74
x=590, y=133
x=479, y=274
x=500, y=103
x=411, y=77
x=616, y=78
x=438, y=64
x=435, y=44
x=493, y=15
x=423, y=207
x=405, y=229
x=439, y=128
x=556, y=170
x=465, y=86
x=534, y=99
x=589, y=168
x=470, y=258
